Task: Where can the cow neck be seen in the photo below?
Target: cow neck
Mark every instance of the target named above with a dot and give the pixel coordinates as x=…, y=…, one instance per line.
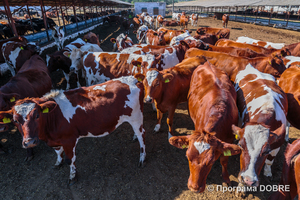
x=180, y=52
x=256, y=61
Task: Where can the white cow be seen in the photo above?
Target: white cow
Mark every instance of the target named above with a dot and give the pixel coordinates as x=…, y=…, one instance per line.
x=247, y=40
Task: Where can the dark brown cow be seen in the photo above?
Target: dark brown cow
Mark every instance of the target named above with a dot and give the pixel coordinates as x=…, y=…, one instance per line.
x=93, y=111
x=168, y=88
x=32, y=80
x=225, y=19
x=212, y=107
x=155, y=38
x=170, y=23
x=91, y=38
x=263, y=107
x=207, y=38
x=232, y=64
x=248, y=53
x=15, y=39
x=219, y=32
x=290, y=174
x=16, y=53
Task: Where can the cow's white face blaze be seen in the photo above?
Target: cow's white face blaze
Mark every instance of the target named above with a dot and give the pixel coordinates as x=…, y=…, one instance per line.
x=151, y=83
x=76, y=59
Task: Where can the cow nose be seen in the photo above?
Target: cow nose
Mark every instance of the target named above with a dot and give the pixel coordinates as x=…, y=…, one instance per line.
x=72, y=69
x=195, y=187
x=148, y=99
x=29, y=142
x=249, y=181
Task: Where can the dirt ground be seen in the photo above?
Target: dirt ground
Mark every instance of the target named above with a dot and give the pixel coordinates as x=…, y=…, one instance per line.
x=108, y=167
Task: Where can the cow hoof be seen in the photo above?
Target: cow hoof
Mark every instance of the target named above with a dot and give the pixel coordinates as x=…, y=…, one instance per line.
x=29, y=158
x=141, y=164
x=72, y=181
x=56, y=167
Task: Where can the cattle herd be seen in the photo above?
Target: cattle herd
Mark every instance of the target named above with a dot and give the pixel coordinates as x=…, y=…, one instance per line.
x=241, y=96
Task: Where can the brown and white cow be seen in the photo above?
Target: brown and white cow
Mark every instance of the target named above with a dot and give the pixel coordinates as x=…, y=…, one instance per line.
x=159, y=20
x=168, y=88
x=212, y=107
x=32, y=80
x=91, y=38
x=263, y=107
x=194, y=19
x=141, y=34
x=247, y=40
x=149, y=21
x=184, y=20
x=290, y=174
x=219, y=32
x=121, y=42
x=235, y=51
x=155, y=38
x=232, y=64
x=16, y=53
x=171, y=33
x=170, y=23
x=84, y=112
x=225, y=19
x=294, y=49
x=291, y=60
x=15, y=39
x=99, y=67
x=176, y=16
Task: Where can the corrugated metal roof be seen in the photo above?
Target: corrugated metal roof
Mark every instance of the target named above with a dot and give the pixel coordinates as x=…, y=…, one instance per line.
x=214, y=3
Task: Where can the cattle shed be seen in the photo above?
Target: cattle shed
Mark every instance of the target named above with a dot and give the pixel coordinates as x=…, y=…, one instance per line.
x=152, y=8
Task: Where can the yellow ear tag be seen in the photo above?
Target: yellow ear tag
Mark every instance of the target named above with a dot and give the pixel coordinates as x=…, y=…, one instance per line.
x=22, y=48
x=227, y=153
x=12, y=99
x=85, y=39
x=236, y=137
x=139, y=65
x=69, y=55
x=184, y=146
x=6, y=120
x=218, y=36
x=270, y=62
x=139, y=79
x=114, y=42
x=46, y=110
x=167, y=81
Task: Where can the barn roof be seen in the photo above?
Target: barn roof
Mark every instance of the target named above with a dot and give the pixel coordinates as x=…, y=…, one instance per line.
x=67, y=2
x=216, y=3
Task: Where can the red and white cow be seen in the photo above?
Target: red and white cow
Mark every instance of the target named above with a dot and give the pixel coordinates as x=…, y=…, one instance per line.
x=85, y=112
x=176, y=40
x=16, y=53
x=294, y=49
x=225, y=19
x=194, y=19
x=291, y=60
x=155, y=38
x=263, y=107
x=219, y=32
x=159, y=20
x=184, y=20
x=121, y=42
x=168, y=88
x=247, y=40
x=58, y=35
x=91, y=38
x=149, y=21
x=176, y=16
x=212, y=107
x=99, y=67
x=290, y=174
x=32, y=80
x=171, y=33
x=141, y=34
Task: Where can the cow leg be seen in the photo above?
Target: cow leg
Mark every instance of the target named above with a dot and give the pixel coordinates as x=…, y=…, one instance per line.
x=224, y=162
x=170, y=121
x=78, y=84
x=159, y=115
x=287, y=131
x=58, y=151
x=269, y=161
x=70, y=159
x=12, y=70
x=67, y=77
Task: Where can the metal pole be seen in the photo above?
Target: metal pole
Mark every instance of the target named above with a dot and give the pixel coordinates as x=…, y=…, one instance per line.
x=256, y=13
x=236, y=9
x=62, y=17
x=57, y=13
x=67, y=11
x=9, y=17
x=44, y=17
x=30, y=18
x=245, y=14
x=74, y=10
x=84, y=15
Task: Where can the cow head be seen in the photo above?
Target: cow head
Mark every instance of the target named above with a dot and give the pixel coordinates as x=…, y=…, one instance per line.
x=201, y=31
x=203, y=149
x=8, y=100
x=26, y=116
x=58, y=35
x=255, y=141
x=55, y=62
x=76, y=57
x=154, y=82
x=91, y=38
x=275, y=66
x=121, y=42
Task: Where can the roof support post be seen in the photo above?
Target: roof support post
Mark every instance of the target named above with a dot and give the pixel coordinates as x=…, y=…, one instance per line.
x=67, y=11
x=256, y=13
x=9, y=17
x=245, y=13
x=92, y=12
x=57, y=12
x=74, y=10
x=84, y=14
x=44, y=17
x=236, y=9
x=30, y=18
x=63, y=19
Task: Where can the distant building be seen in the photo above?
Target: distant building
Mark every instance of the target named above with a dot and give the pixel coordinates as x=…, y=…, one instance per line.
x=152, y=8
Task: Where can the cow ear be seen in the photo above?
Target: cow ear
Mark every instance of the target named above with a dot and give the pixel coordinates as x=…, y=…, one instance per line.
x=11, y=98
x=168, y=77
x=139, y=77
x=180, y=142
x=84, y=53
x=113, y=40
x=6, y=117
x=136, y=63
x=155, y=33
x=47, y=107
x=67, y=54
x=237, y=132
x=183, y=43
x=229, y=149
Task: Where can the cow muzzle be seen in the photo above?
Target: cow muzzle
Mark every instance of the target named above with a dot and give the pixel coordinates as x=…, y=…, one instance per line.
x=30, y=142
x=251, y=182
x=148, y=99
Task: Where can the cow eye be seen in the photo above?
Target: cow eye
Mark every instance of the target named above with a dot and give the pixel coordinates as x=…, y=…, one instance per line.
x=16, y=121
x=37, y=115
